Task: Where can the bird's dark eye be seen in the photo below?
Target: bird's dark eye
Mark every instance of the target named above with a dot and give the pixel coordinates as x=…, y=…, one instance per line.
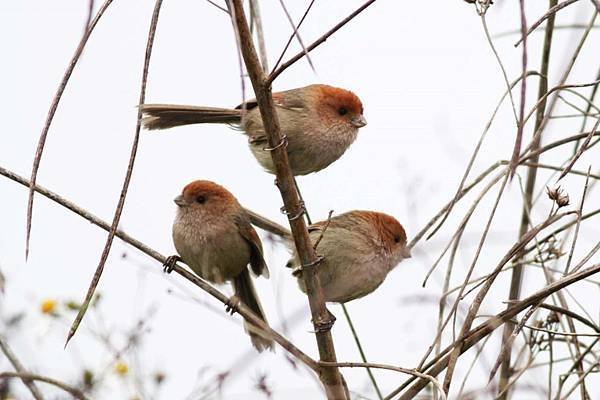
x=397, y=239
x=342, y=111
x=201, y=199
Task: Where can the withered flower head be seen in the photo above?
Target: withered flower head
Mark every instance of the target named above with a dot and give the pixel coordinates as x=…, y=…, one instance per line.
x=559, y=196
x=552, y=318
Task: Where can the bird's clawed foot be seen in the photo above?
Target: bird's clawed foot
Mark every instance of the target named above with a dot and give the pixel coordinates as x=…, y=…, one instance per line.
x=326, y=323
x=231, y=306
x=169, y=264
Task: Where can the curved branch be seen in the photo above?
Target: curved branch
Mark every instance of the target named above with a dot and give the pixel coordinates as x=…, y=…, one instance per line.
x=267, y=225
x=35, y=392
x=125, y=187
x=76, y=393
x=316, y=43
x=330, y=377
x=390, y=368
x=438, y=364
x=42, y=140
x=241, y=308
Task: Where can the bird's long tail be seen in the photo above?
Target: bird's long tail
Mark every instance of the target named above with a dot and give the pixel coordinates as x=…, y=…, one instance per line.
x=244, y=290
x=164, y=116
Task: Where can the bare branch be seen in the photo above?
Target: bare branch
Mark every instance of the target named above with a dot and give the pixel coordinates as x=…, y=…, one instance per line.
x=517, y=273
x=35, y=392
x=42, y=140
x=550, y=13
x=260, y=35
x=76, y=393
x=268, y=225
x=521, y=123
x=330, y=377
x=123, y=195
x=582, y=148
x=241, y=308
x=287, y=45
x=297, y=35
x=390, y=368
x=437, y=365
x=526, y=238
x=317, y=42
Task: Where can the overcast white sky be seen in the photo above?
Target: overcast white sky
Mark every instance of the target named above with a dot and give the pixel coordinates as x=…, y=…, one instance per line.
x=429, y=82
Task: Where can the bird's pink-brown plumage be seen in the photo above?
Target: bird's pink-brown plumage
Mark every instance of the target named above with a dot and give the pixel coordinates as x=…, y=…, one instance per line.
x=319, y=121
x=359, y=249
x=213, y=236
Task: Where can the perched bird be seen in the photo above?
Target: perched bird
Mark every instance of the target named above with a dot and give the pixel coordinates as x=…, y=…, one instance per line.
x=359, y=249
x=319, y=123
x=213, y=236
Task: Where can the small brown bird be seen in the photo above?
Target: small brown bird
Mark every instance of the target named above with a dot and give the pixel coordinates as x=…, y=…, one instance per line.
x=359, y=249
x=320, y=122
x=213, y=236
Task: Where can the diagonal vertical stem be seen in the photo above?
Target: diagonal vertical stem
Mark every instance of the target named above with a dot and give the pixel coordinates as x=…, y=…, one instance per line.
x=517, y=273
x=260, y=34
x=363, y=357
x=330, y=376
x=521, y=123
x=37, y=159
x=125, y=187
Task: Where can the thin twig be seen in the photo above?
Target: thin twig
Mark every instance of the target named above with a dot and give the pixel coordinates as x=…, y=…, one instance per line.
x=582, y=148
x=534, y=328
x=287, y=45
x=521, y=123
x=556, y=28
x=260, y=34
x=507, y=344
x=438, y=364
x=316, y=43
x=35, y=392
x=238, y=53
x=555, y=168
x=550, y=13
x=571, y=314
x=268, y=225
x=73, y=391
x=501, y=65
x=363, y=356
x=242, y=309
x=592, y=368
x=517, y=272
x=461, y=226
x=218, y=6
x=123, y=194
x=589, y=107
x=297, y=35
x=42, y=140
x=565, y=76
x=88, y=17
x=330, y=377
x=477, y=148
x=388, y=367
x=419, y=235
x=526, y=238
x=579, y=215
x=576, y=365
x=323, y=230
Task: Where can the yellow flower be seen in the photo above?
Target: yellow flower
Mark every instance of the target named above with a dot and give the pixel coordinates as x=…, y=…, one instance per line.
x=48, y=306
x=121, y=368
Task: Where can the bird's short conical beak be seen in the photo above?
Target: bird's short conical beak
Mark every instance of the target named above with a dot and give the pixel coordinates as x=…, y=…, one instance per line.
x=406, y=253
x=179, y=201
x=359, y=121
